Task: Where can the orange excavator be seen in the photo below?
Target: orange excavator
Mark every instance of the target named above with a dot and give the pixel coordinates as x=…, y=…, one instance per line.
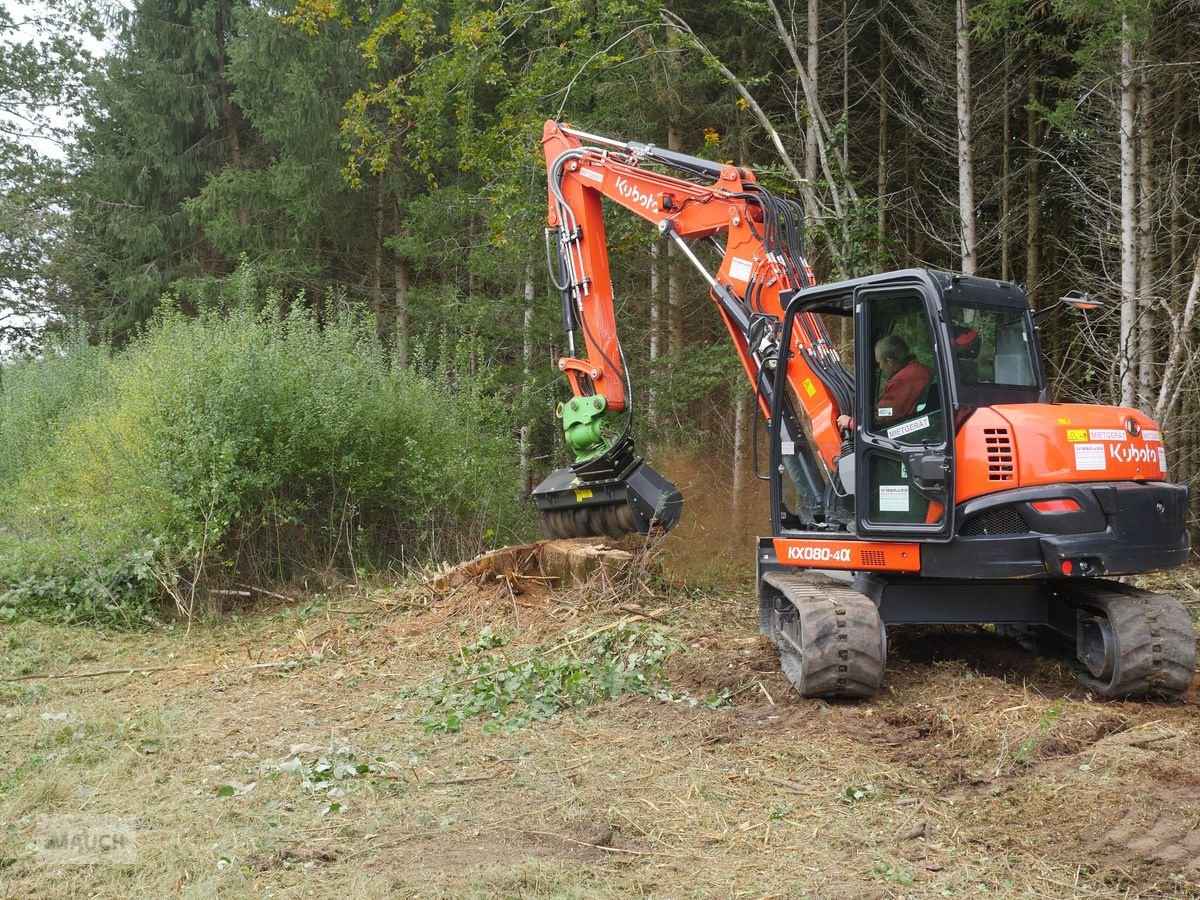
x=931, y=480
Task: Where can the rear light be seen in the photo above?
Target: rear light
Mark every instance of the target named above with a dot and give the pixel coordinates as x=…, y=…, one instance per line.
x=1055, y=506
x=1067, y=567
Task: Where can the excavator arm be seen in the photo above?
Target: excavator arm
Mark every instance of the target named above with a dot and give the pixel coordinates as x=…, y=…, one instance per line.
x=608, y=490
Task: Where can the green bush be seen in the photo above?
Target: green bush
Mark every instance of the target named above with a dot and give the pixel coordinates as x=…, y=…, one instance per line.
x=38, y=396
x=231, y=447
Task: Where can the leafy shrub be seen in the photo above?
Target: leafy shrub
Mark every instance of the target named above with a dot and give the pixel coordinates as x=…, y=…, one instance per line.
x=38, y=396
x=483, y=683
x=243, y=444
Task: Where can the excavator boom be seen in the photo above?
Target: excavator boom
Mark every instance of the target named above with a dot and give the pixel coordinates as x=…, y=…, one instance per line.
x=608, y=490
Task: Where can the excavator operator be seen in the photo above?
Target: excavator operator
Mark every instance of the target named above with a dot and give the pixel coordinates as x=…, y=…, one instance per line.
x=906, y=381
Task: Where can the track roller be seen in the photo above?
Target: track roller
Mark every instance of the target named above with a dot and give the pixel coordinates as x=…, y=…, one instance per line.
x=830, y=638
x=1132, y=643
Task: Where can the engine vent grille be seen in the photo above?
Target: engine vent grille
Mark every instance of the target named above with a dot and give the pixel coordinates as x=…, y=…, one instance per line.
x=872, y=558
x=999, y=454
x=1005, y=520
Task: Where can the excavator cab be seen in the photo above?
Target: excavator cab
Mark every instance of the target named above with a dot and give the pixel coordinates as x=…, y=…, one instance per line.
x=928, y=349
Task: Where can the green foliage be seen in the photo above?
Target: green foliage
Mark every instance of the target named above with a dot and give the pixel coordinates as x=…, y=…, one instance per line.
x=161, y=121
x=705, y=377
x=41, y=64
x=38, y=398
x=1029, y=745
x=483, y=683
x=323, y=774
x=237, y=444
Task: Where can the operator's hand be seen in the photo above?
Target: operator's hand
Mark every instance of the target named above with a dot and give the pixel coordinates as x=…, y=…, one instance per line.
x=845, y=423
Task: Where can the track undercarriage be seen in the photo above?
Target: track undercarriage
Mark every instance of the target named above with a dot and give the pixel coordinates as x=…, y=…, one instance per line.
x=1126, y=642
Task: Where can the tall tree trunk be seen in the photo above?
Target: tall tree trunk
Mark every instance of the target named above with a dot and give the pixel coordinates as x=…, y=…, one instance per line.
x=655, y=325
x=1176, y=180
x=1146, y=255
x=966, y=165
x=810, y=142
x=845, y=81
x=526, y=473
x=1128, y=216
x=402, y=281
x=881, y=181
x=1005, y=167
x=1033, y=199
x=741, y=419
x=916, y=234
x=377, y=267
x=674, y=265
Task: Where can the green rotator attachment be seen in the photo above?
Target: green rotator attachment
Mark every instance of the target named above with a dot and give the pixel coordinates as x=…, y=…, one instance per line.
x=612, y=494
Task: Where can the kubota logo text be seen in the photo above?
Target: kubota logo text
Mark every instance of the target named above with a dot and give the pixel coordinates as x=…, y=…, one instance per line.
x=631, y=192
x=1127, y=453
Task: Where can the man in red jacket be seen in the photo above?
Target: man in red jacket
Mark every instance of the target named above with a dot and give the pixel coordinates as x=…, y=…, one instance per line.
x=906, y=380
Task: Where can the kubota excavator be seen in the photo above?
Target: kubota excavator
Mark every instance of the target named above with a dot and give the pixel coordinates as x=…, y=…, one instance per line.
x=951, y=491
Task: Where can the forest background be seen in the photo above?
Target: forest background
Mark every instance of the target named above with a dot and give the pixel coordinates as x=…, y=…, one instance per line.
x=290, y=262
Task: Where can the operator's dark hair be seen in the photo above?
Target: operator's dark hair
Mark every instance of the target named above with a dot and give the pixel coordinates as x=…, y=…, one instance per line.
x=894, y=347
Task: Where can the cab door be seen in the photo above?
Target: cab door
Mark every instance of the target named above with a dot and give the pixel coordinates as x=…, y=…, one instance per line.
x=904, y=442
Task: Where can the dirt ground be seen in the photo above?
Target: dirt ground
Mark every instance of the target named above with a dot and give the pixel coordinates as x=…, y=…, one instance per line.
x=278, y=753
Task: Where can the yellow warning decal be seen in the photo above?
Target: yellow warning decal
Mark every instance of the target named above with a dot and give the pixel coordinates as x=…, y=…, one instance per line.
x=583, y=494
x=1075, y=435
x=809, y=387
x=1064, y=421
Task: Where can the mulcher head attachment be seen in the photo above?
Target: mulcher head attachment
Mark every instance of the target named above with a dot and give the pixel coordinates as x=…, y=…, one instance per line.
x=596, y=499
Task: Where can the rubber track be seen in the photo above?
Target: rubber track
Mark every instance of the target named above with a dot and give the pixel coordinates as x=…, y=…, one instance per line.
x=830, y=639
x=1154, y=638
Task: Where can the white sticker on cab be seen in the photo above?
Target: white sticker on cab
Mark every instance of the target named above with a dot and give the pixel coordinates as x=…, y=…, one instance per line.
x=1089, y=457
x=907, y=427
x=1106, y=434
x=893, y=498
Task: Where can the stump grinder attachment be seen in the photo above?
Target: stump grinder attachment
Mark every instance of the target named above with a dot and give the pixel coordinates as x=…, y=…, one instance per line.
x=614, y=494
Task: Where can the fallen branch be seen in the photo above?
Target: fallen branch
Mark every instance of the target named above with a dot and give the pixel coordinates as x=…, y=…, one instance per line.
x=147, y=669
x=97, y=674
x=267, y=593
x=920, y=830
x=563, y=837
x=641, y=613
x=793, y=786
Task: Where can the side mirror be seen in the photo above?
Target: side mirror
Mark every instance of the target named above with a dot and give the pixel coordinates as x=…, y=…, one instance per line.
x=1077, y=299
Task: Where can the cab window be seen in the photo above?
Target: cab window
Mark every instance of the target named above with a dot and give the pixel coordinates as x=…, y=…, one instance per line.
x=906, y=403
x=992, y=345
